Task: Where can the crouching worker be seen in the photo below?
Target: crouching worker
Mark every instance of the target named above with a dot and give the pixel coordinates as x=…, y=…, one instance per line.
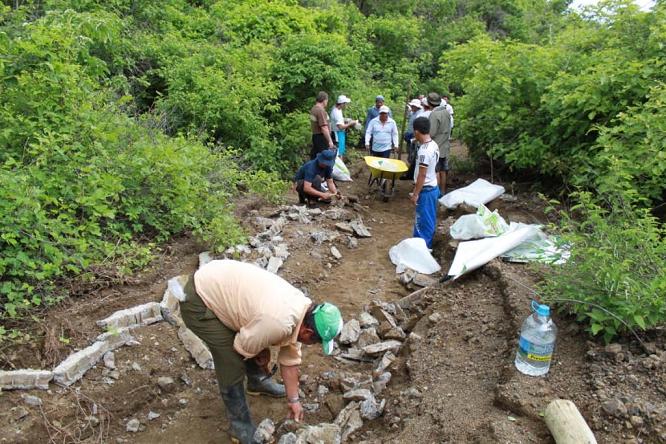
x=239, y=310
x=426, y=191
x=309, y=178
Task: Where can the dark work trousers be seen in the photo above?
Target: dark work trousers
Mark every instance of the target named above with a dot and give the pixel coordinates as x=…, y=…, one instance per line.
x=319, y=144
x=302, y=195
x=411, y=159
x=229, y=365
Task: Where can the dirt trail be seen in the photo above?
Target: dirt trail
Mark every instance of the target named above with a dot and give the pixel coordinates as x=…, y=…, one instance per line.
x=466, y=389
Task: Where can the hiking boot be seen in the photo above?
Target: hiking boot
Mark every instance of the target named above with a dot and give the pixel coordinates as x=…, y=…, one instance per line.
x=241, y=427
x=261, y=383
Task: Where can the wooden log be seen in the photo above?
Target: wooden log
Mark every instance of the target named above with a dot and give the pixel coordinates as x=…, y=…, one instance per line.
x=566, y=424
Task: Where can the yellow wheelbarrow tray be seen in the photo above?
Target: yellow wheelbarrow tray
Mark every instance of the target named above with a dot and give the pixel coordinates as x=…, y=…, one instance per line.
x=383, y=173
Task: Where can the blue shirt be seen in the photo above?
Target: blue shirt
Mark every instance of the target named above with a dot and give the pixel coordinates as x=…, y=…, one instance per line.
x=311, y=169
x=384, y=135
x=412, y=117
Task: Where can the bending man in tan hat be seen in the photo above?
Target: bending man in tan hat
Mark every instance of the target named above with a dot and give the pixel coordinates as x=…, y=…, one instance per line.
x=239, y=310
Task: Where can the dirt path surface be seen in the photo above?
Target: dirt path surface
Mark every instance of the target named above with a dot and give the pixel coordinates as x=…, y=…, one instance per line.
x=454, y=381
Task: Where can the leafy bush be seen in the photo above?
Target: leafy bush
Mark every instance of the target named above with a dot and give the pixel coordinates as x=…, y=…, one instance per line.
x=617, y=265
x=572, y=108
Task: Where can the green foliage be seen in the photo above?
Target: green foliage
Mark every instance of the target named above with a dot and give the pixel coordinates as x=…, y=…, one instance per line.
x=311, y=63
x=618, y=262
x=574, y=108
x=124, y=122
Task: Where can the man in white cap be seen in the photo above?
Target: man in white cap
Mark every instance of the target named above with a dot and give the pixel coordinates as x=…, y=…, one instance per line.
x=240, y=310
x=416, y=109
x=382, y=134
x=338, y=124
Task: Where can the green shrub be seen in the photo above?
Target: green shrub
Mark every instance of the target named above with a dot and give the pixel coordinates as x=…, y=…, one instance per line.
x=618, y=263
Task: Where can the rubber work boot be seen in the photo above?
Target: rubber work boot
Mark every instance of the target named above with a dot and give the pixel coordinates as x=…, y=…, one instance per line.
x=260, y=383
x=242, y=429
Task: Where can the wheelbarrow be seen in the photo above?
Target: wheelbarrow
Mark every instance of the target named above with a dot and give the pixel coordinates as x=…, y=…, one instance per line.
x=383, y=173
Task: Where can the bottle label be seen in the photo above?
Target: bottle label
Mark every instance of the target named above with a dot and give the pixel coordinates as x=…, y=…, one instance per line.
x=533, y=352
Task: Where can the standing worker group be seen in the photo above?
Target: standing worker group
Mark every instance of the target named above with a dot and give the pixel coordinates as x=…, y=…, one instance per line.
x=240, y=310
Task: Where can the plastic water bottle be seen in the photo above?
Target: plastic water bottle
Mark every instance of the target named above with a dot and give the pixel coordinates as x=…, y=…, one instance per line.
x=537, y=342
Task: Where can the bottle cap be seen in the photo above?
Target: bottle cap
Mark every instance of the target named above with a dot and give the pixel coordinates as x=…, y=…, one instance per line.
x=540, y=309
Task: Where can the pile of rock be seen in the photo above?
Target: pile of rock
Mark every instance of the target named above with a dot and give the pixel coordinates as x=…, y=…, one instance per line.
x=377, y=336
x=269, y=250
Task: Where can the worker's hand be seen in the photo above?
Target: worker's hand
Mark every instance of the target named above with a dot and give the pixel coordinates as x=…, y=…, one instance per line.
x=263, y=359
x=338, y=195
x=296, y=411
x=414, y=198
x=328, y=195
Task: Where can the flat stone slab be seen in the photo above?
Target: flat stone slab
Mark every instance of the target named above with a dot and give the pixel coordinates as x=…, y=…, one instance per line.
x=196, y=347
x=350, y=332
x=174, y=294
x=349, y=419
x=382, y=347
x=274, y=264
x=77, y=364
x=25, y=379
x=359, y=229
x=336, y=253
x=344, y=227
x=138, y=316
x=357, y=395
x=324, y=433
x=281, y=251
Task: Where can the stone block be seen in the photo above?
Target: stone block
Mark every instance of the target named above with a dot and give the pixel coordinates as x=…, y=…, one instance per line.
x=274, y=264
x=350, y=332
x=349, y=420
x=26, y=379
x=204, y=258
x=382, y=347
x=137, y=316
x=196, y=347
x=388, y=359
x=281, y=251
x=367, y=320
x=77, y=364
x=357, y=395
x=174, y=294
x=322, y=433
x=265, y=431
x=336, y=253
x=359, y=229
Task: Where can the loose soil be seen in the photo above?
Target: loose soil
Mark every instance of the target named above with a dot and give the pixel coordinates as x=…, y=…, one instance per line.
x=467, y=389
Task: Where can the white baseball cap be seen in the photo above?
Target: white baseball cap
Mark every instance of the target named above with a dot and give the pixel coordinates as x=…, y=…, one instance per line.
x=343, y=99
x=384, y=109
x=416, y=103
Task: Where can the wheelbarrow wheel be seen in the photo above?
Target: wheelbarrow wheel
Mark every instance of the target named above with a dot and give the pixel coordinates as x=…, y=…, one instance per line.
x=385, y=192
